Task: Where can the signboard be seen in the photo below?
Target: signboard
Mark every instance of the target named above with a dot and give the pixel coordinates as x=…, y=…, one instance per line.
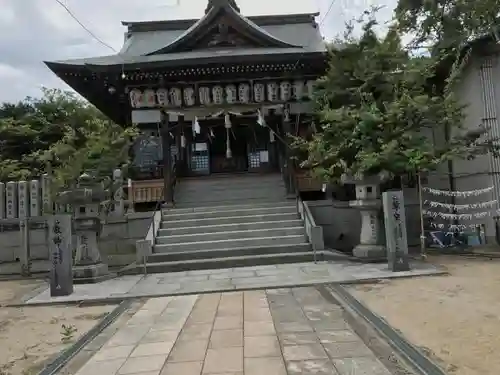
x=395, y=231
x=61, y=273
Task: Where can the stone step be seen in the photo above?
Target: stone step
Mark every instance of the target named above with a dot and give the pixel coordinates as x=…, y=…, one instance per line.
x=190, y=203
x=230, y=243
x=218, y=228
x=182, y=210
x=230, y=235
x=255, y=202
x=227, y=253
x=231, y=186
x=231, y=180
x=226, y=262
x=205, y=222
x=231, y=195
x=169, y=216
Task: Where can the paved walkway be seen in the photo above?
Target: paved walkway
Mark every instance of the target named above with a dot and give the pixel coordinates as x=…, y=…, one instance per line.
x=244, y=278
x=275, y=332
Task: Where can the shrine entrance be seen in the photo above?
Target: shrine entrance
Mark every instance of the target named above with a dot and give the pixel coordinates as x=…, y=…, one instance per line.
x=220, y=161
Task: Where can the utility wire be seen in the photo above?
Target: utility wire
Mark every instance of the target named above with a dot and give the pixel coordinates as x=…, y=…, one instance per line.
x=66, y=8
x=319, y=25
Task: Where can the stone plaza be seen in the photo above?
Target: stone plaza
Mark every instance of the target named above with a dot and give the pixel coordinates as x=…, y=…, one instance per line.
x=231, y=279
x=279, y=332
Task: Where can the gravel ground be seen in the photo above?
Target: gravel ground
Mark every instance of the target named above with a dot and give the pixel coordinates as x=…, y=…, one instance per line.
x=31, y=336
x=454, y=319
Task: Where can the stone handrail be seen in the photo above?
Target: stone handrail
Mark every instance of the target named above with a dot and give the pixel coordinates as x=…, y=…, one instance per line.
x=314, y=232
x=144, y=248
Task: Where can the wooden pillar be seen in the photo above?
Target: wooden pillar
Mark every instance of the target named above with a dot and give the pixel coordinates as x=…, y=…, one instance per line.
x=167, y=160
x=288, y=167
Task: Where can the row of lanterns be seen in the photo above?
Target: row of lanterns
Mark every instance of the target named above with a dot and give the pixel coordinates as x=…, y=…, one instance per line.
x=216, y=95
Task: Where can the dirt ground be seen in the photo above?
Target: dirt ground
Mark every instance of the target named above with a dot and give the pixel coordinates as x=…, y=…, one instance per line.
x=31, y=336
x=454, y=319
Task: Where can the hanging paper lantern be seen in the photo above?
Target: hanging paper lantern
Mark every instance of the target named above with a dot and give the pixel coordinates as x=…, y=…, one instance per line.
x=231, y=94
x=272, y=91
x=162, y=97
x=204, y=93
x=175, y=96
x=258, y=92
x=149, y=98
x=298, y=90
x=136, y=98
x=244, y=92
x=217, y=93
x=189, y=96
x=285, y=91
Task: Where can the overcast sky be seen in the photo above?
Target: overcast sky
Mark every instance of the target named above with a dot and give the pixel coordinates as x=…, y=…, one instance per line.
x=36, y=30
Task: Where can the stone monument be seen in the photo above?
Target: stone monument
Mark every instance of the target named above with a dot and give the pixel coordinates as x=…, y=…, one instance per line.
x=35, y=198
x=61, y=277
x=22, y=199
x=86, y=200
x=368, y=202
x=11, y=200
x=395, y=231
x=2, y=200
x=119, y=202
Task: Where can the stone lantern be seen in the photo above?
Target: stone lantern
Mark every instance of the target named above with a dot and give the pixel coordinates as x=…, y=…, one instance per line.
x=86, y=201
x=371, y=243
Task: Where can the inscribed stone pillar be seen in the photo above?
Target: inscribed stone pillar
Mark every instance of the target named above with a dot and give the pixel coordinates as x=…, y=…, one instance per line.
x=22, y=199
x=25, y=256
x=35, y=198
x=119, y=204
x=288, y=167
x=11, y=199
x=2, y=200
x=61, y=274
x=395, y=230
x=46, y=195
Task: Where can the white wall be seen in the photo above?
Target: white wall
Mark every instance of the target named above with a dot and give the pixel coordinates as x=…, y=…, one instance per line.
x=481, y=76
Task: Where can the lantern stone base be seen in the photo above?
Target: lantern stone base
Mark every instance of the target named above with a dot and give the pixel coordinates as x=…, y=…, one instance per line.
x=91, y=273
x=370, y=253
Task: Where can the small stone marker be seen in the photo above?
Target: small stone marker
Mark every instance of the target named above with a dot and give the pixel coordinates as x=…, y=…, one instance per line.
x=395, y=231
x=61, y=273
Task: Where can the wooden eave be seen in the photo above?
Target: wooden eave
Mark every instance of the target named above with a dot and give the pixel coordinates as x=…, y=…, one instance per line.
x=92, y=88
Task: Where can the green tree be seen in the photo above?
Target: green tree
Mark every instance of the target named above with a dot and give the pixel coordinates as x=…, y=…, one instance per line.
x=377, y=108
x=449, y=23
x=63, y=130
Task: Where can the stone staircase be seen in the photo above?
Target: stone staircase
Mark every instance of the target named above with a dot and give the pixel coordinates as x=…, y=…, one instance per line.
x=229, y=221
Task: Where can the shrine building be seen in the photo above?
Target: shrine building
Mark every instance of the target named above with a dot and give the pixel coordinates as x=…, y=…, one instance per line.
x=220, y=92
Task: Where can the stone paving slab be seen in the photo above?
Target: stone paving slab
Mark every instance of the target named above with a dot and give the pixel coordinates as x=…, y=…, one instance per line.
x=236, y=333
x=232, y=279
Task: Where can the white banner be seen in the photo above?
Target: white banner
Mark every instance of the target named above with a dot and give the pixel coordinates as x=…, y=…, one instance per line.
x=461, y=194
x=461, y=207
